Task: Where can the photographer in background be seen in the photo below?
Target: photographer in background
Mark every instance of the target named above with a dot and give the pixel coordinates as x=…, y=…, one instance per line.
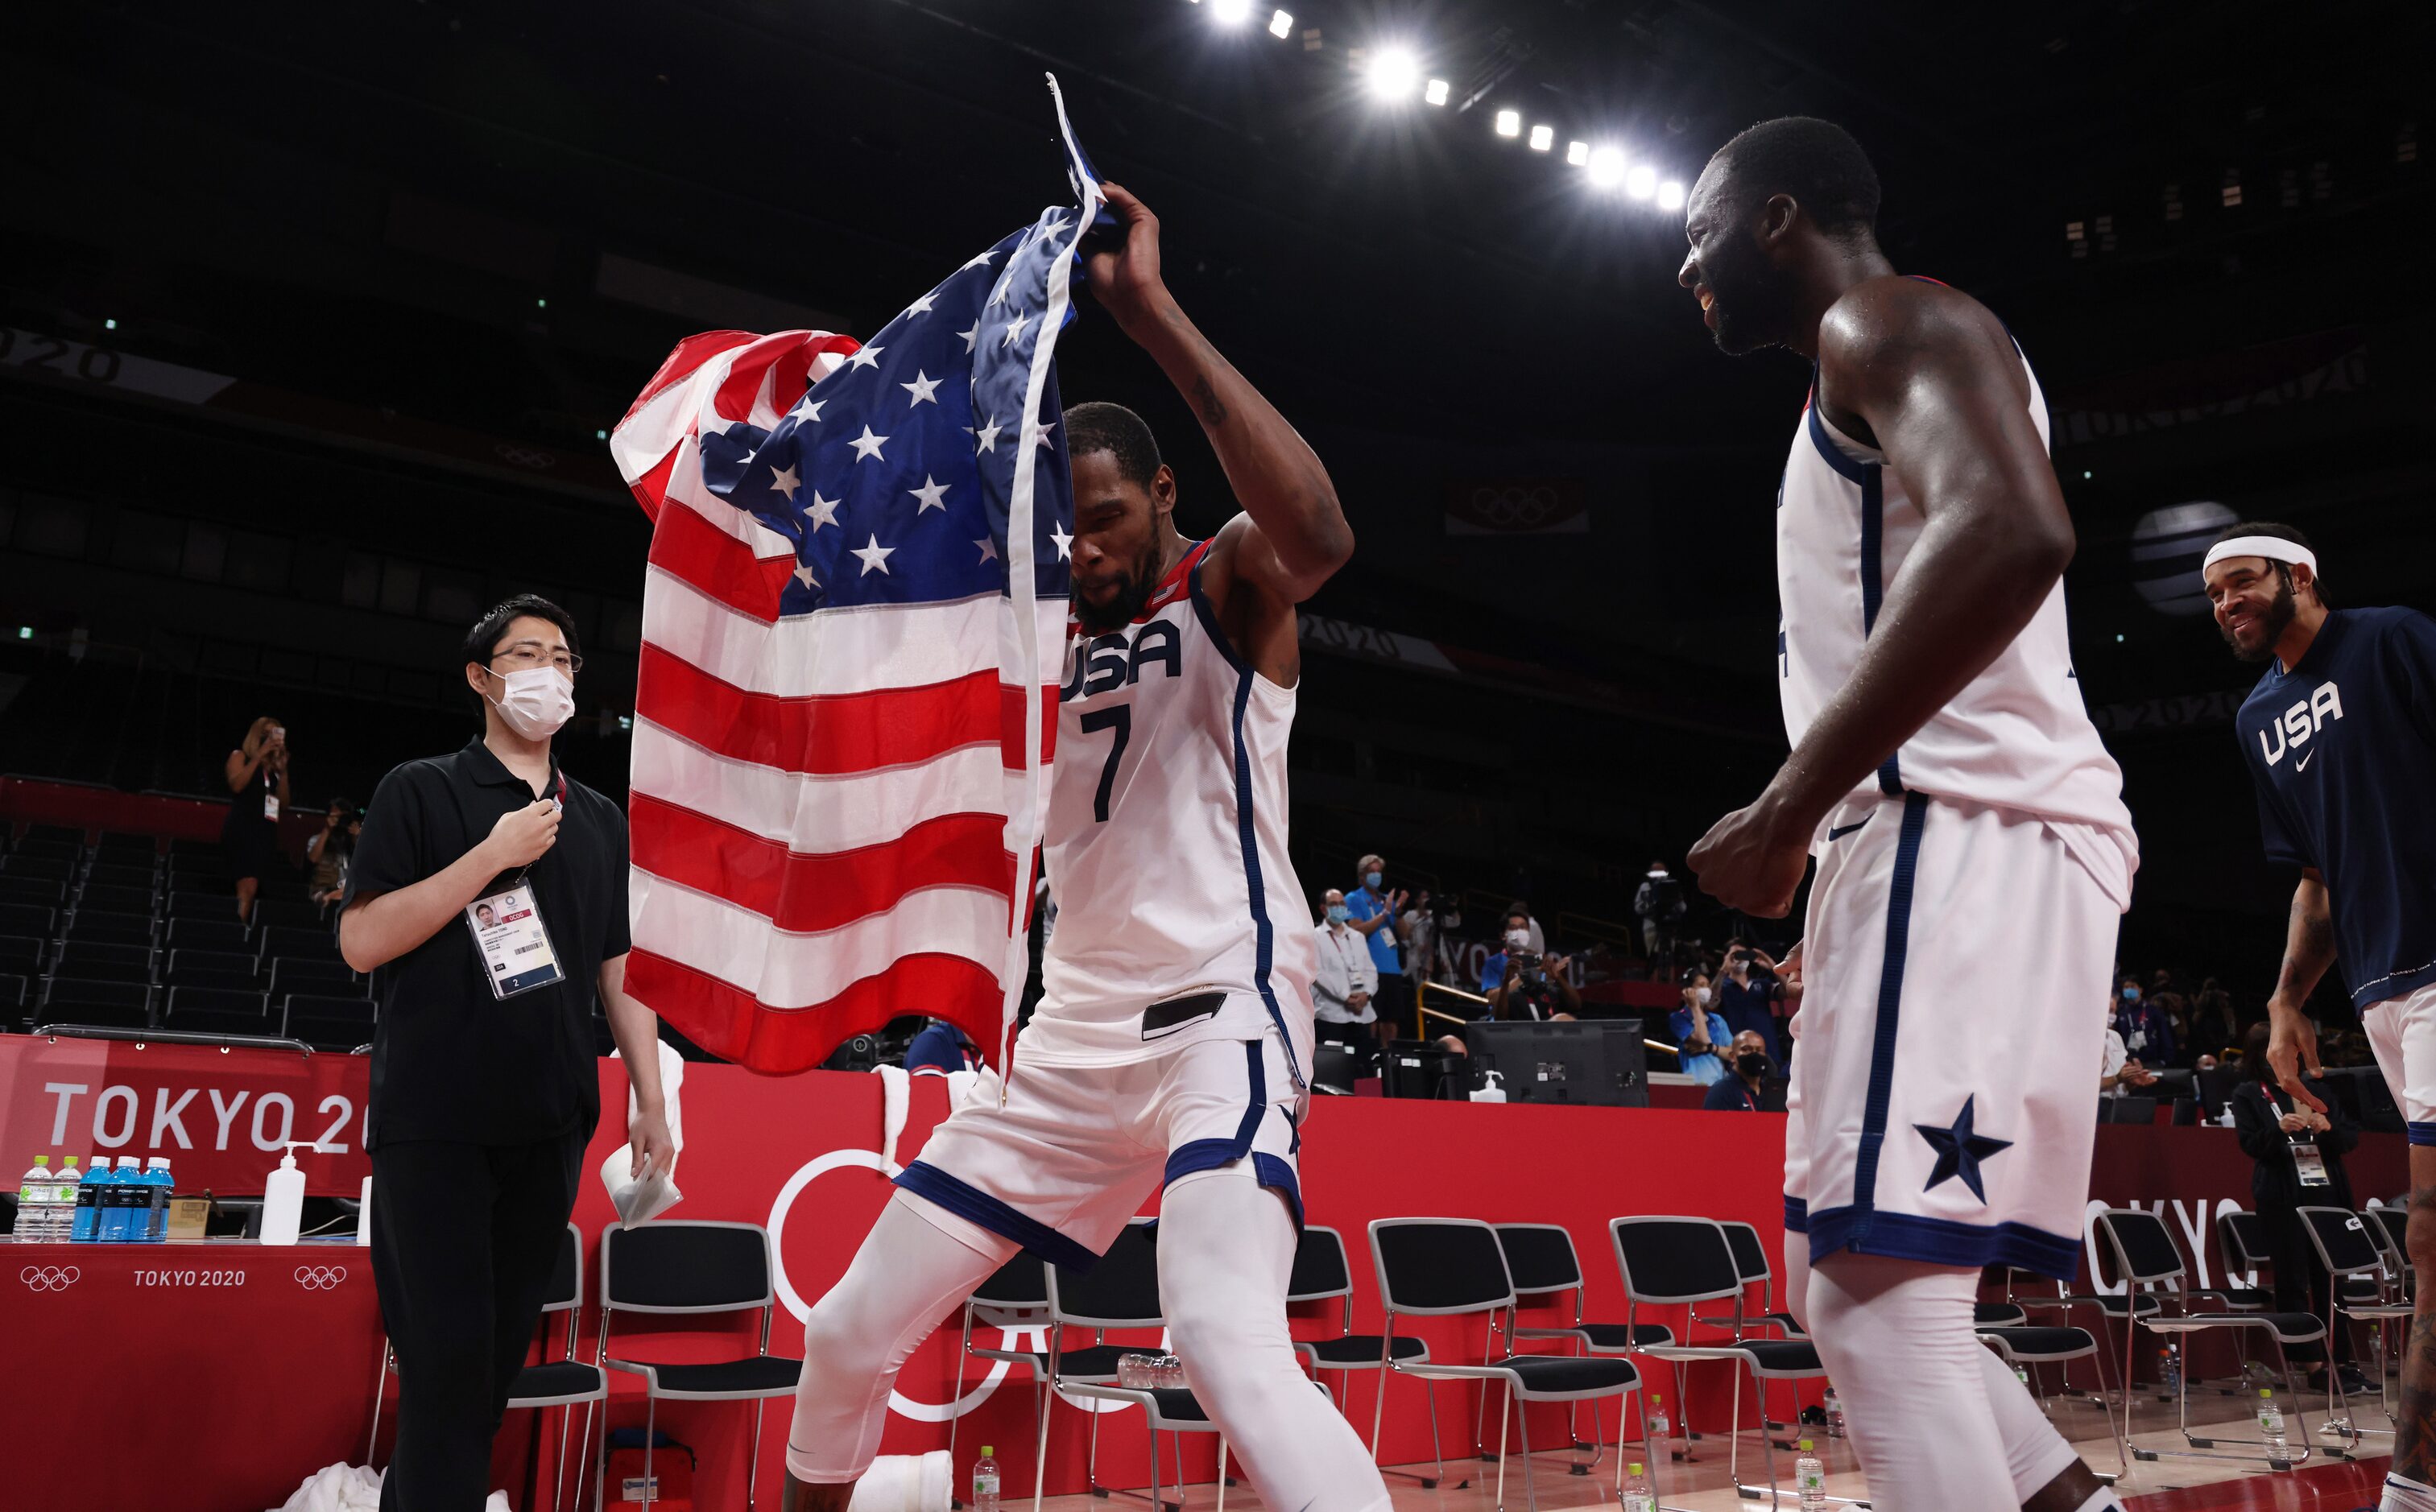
x=1520, y=983
x=1661, y=906
x=1749, y=996
x=257, y=772
x=330, y=850
x=1419, y=923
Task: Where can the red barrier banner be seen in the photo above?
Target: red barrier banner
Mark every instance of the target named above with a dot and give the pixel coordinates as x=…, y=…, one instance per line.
x=222, y=1118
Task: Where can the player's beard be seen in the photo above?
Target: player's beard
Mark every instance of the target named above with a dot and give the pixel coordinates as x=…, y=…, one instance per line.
x=1133, y=591
x=2272, y=621
x=1754, y=302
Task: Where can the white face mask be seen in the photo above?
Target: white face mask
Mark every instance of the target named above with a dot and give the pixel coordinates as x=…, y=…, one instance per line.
x=1701, y=996
x=1518, y=938
x=539, y=699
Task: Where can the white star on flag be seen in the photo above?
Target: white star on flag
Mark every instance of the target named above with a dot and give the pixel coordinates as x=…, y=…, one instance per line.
x=822, y=511
x=812, y=408
x=803, y=576
x=1065, y=541
x=990, y=549
x=922, y=388
x=933, y=494
x=920, y=307
x=987, y=434
x=867, y=358
x=1046, y=426
x=874, y=555
x=1014, y=329
x=971, y=335
x=867, y=445
x=783, y=480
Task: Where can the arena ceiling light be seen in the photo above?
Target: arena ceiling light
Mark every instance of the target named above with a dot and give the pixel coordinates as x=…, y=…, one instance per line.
x=1542, y=138
x=1670, y=195
x=1607, y=168
x=1640, y=180
x=1577, y=153
x=1280, y=22
x=1231, y=12
x=1509, y=123
x=1394, y=74
x=1436, y=91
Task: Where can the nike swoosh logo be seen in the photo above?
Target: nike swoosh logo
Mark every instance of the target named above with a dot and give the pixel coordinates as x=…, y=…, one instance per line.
x=1839, y=831
x=2302, y=765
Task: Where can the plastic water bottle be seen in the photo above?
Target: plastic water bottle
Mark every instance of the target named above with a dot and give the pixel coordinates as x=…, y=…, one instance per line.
x=1661, y=1427
x=2169, y=1369
x=33, y=1202
x=86, y=1229
x=1835, y=1415
x=157, y=1189
x=1810, y=1480
x=986, y=1481
x=62, y=1213
x=2270, y=1425
x=1639, y=1494
x=122, y=1213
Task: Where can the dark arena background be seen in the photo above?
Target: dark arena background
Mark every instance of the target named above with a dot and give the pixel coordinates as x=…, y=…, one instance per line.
x=315, y=322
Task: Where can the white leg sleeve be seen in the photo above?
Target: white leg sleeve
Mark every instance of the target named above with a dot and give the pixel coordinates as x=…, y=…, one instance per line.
x=1897, y=1338
x=1225, y=1246
x=909, y=1275
x=2403, y=1494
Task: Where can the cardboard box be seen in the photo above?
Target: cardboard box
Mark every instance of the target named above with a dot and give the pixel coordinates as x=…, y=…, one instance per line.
x=190, y=1217
x=671, y=1467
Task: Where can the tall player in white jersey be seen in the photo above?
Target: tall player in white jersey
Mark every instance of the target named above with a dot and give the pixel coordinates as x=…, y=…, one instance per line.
x=1175, y=1023
x=1968, y=825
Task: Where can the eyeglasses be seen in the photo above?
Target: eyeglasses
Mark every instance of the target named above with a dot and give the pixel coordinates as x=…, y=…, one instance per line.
x=526, y=654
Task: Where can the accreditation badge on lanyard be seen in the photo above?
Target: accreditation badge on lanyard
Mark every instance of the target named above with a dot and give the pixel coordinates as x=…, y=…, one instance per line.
x=2311, y=1162
x=510, y=934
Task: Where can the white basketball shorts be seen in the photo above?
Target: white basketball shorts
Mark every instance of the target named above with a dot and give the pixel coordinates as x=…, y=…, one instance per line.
x=1956, y=971
x=2402, y=1034
x=1069, y=1157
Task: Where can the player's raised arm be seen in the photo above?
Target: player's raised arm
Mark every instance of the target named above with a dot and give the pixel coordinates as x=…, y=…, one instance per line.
x=1937, y=381
x=1297, y=536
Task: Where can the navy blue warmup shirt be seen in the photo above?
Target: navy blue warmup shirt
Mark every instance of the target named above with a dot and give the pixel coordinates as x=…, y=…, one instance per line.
x=2343, y=749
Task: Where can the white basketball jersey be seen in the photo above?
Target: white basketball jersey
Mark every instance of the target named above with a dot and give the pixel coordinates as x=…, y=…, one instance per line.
x=1180, y=917
x=2018, y=736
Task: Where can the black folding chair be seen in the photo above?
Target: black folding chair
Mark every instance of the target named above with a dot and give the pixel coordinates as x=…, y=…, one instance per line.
x=1321, y=1273
x=2146, y=1255
x=1542, y=1260
x=2349, y=1245
x=1673, y=1261
x=560, y=1382
x=1445, y=1267
x=678, y=1266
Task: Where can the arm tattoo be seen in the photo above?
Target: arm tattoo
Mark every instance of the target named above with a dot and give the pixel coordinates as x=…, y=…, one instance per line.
x=1205, y=399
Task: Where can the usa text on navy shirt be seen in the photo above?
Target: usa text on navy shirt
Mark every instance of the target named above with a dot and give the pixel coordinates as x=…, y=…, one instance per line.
x=2343, y=749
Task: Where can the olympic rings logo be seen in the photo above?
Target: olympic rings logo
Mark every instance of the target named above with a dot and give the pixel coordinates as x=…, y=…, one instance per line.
x=531, y=458
x=321, y=1278
x=49, y=1277
x=1524, y=507
x=1035, y=1337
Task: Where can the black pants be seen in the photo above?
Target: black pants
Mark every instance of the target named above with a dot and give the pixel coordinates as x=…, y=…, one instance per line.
x=464, y=1237
x=1393, y=1002
x=2300, y=1280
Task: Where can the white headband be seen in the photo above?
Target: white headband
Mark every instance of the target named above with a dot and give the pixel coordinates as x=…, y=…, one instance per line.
x=2273, y=548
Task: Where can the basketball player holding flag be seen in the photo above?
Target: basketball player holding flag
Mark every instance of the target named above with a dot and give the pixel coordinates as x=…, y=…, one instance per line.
x=1967, y=823
x=2339, y=736
x=1176, y=1021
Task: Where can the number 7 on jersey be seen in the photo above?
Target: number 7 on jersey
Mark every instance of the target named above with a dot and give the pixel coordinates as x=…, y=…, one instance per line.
x=1119, y=717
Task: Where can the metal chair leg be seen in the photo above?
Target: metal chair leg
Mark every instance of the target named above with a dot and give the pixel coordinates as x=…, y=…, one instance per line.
x=1436, y=1454
x=380, y=1387
x=1522, y=1426
x=651, y=1424
x=752, y=1465
x=1044, y=1398
x=558, y=1469
x=1500, y=1450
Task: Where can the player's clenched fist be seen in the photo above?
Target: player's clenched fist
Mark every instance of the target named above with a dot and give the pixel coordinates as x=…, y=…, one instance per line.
x=522, y=834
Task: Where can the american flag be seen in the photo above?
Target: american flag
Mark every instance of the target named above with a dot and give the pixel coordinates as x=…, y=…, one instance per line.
x=854, y=620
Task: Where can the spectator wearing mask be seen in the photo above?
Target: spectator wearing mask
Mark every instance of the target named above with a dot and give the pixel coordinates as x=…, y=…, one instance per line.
x=1348, y=980
x=1529, y=985
x=1753, y=1087
x=2147, y=1034
x=1539, y=937
x=939, y=1048
x=331, y=849
x=2299, y=1153
x=1699, y=1034
x=257, y=772
x=1749, y=996
x=1371, y=911
x=2117, y=1072
x=1660, y=904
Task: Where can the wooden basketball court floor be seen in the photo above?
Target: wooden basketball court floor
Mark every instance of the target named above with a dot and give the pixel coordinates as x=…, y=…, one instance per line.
x=2165, y=1484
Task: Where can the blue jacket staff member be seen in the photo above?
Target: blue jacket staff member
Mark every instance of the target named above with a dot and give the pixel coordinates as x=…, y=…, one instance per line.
x=488, y=900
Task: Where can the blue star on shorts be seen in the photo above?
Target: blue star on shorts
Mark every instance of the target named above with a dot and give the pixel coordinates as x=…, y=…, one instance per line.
x=1960, y=1151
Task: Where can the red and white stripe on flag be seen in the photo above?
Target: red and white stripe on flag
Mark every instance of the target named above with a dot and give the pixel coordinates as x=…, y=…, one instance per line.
x=819, y=802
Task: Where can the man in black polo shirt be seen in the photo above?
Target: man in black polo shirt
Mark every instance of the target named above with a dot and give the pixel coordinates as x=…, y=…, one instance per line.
x=488, y=898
